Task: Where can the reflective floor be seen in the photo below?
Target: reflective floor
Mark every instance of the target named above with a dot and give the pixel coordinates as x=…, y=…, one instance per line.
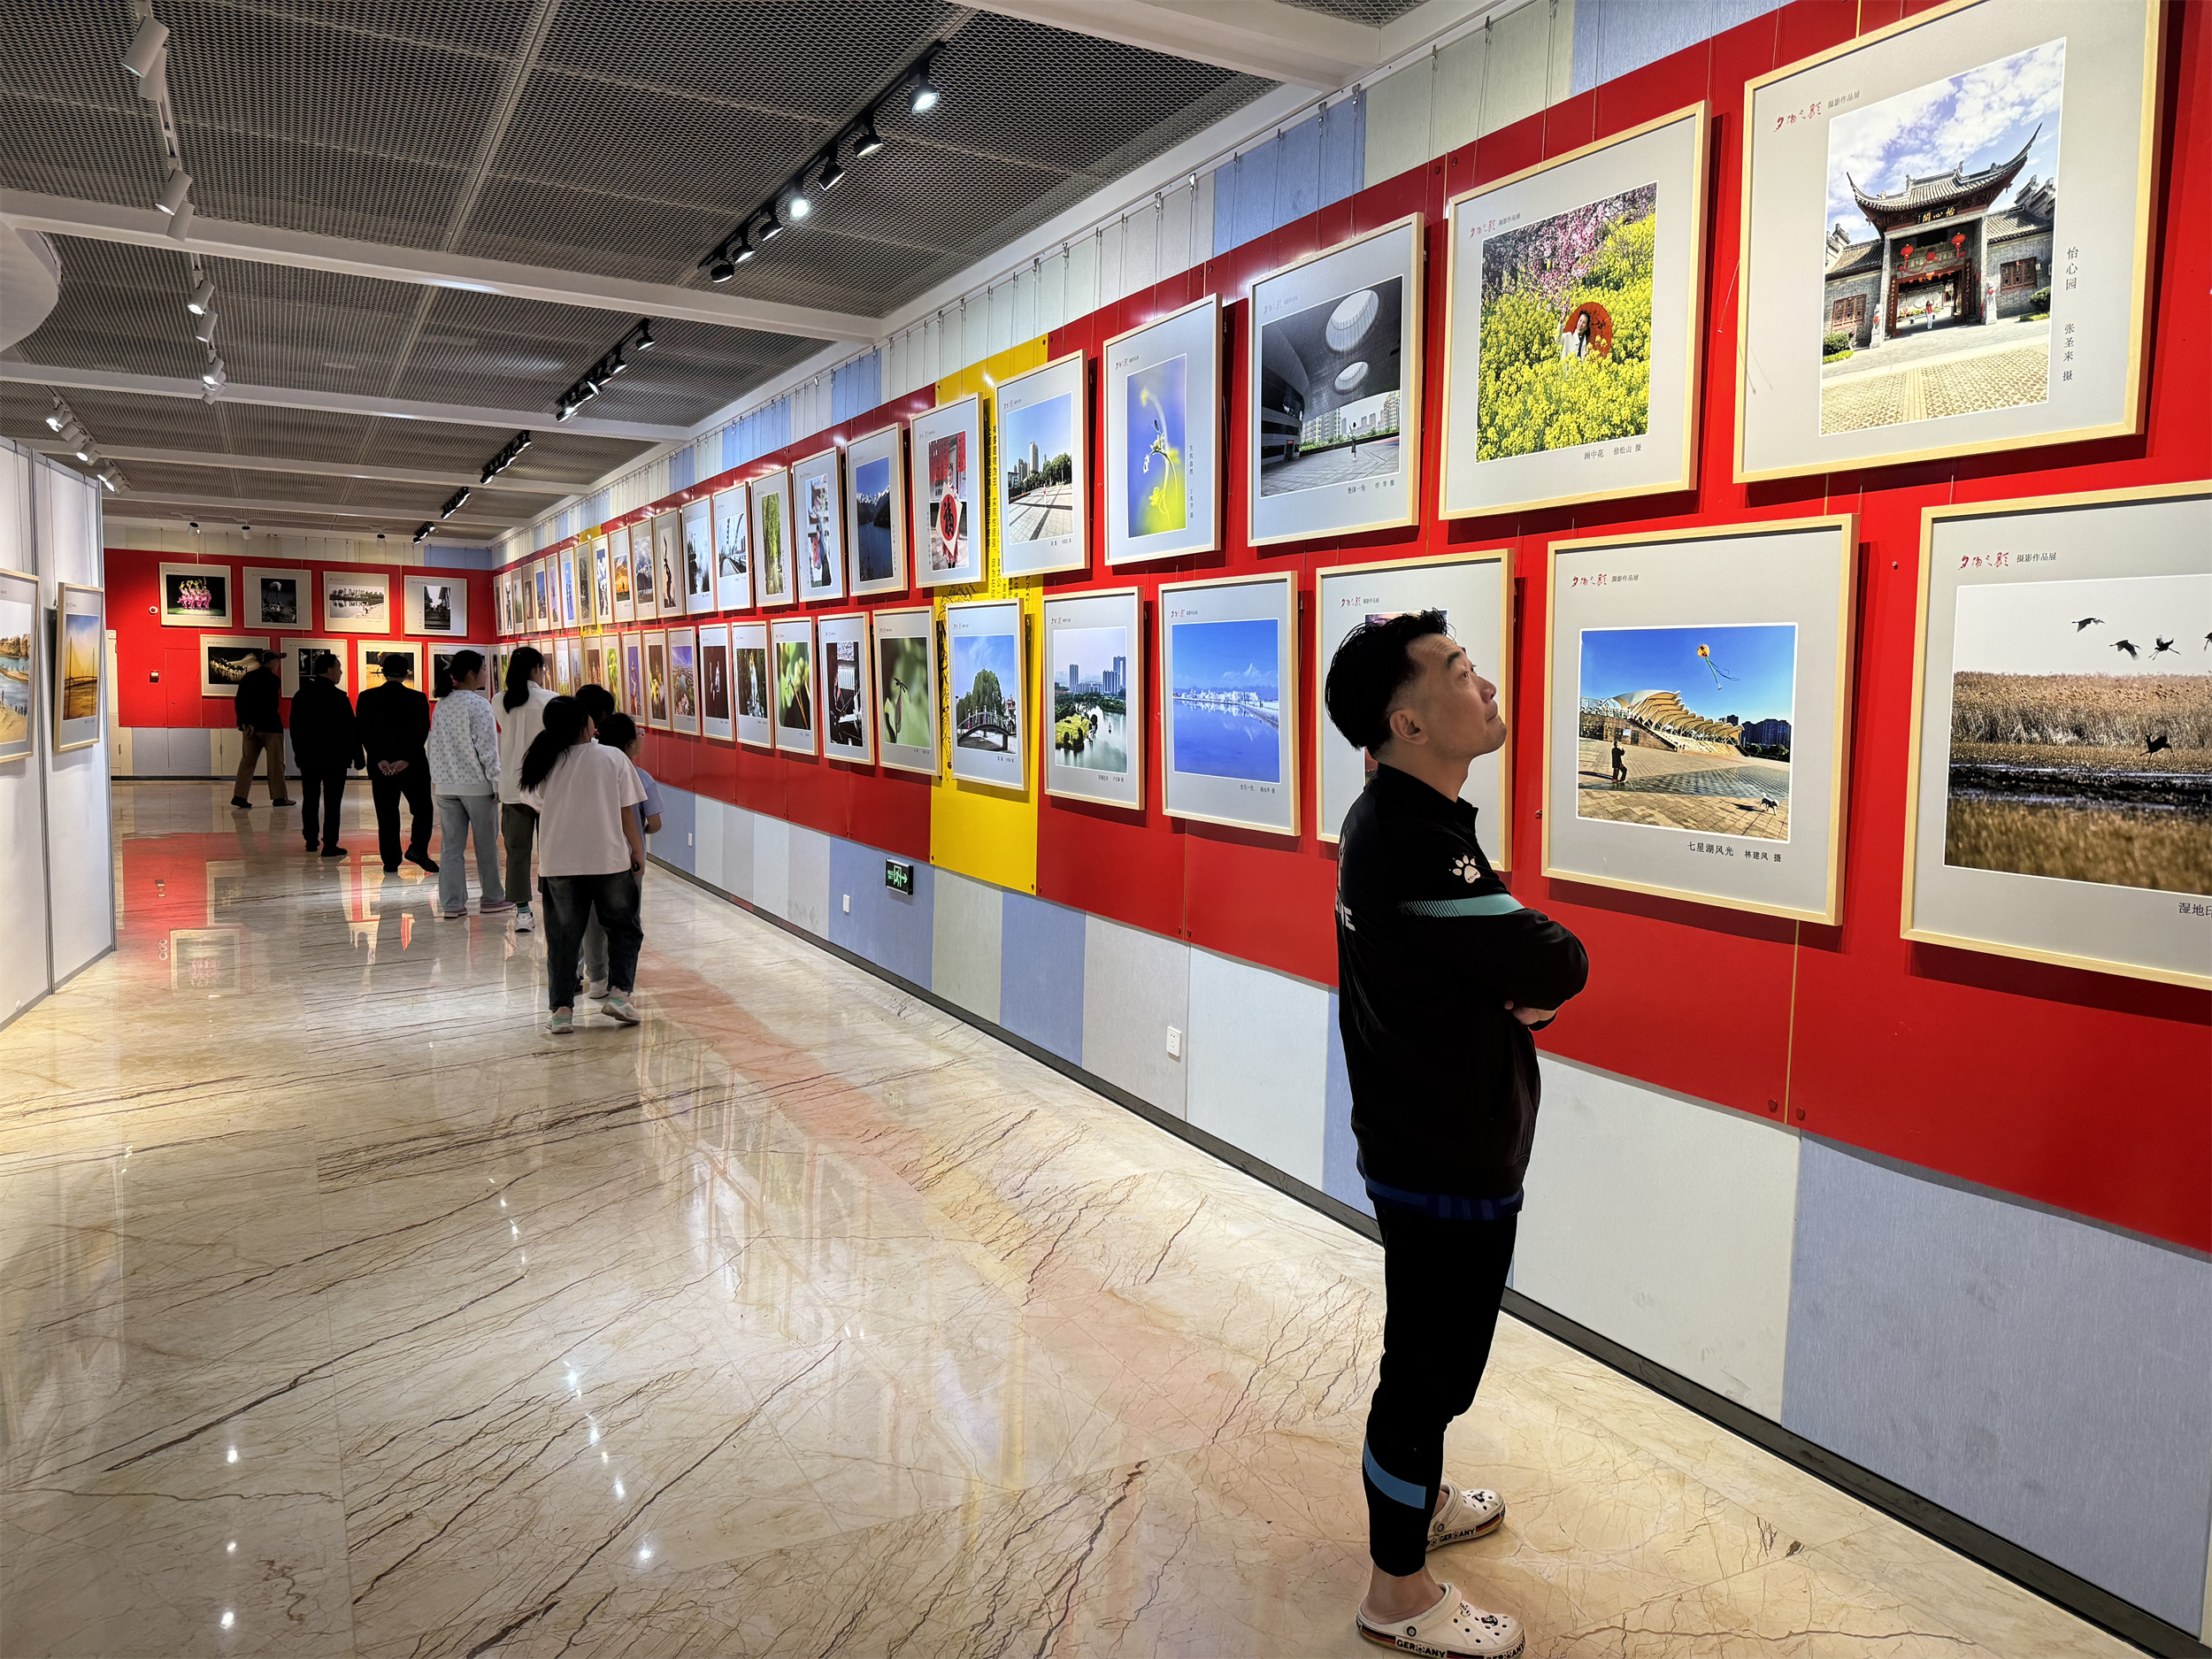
x=346, y=1312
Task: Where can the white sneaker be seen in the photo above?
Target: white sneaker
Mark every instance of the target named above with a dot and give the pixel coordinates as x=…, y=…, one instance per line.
x=1455, y=1628
x=596, y=990
x=524, y=921
x=1464, y=1512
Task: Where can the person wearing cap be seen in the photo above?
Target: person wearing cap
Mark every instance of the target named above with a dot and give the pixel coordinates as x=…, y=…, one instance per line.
x=260, y=732
x=394, y=719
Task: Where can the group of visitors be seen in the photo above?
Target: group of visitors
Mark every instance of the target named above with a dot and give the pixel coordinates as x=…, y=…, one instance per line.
x=557, y=775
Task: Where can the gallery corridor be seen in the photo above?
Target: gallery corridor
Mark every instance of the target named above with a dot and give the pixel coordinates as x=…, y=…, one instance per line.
x=347, y=1312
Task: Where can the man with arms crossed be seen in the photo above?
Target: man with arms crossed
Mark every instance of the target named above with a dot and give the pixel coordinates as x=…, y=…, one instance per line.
x=1442, y=977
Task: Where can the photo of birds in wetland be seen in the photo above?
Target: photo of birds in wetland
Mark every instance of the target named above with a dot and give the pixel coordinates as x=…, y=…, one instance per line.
x=2081, y=732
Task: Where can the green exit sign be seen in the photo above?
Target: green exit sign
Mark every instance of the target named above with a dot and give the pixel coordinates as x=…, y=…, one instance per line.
x=898, y=875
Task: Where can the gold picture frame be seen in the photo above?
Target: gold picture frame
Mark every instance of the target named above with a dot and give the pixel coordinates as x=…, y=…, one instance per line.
x=1829, y=912
x=2134, y=399
x=1931, y=520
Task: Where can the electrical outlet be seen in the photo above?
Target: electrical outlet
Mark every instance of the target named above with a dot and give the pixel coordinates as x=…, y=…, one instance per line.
x=848, y=904
x=1175, y=1042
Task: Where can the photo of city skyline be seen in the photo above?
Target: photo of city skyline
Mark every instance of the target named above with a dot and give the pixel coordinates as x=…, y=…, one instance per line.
x=1090, y=698
x=1040, y=464
x=1225, y=679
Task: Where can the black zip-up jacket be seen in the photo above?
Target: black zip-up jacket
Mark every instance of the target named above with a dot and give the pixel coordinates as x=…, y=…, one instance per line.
x=394, y=723
x=258, y=705
x=1430, y=949
x=325, y=738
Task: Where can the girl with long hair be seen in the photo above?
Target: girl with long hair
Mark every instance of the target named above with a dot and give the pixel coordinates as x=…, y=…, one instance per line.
x=521, y=716
x=591, y=852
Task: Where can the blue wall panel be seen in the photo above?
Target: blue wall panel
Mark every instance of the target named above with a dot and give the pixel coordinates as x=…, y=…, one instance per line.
x=683, y=467
x=1340, y=1153
x=1040, y=974
x=1617, y=37
x=891, y=930
x=1343, y=148
x=1297, y=172
x=856, y=387
x=2049, y=1379
x=679, y=817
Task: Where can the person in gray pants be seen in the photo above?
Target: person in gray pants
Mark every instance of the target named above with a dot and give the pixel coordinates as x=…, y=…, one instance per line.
x=465, y=781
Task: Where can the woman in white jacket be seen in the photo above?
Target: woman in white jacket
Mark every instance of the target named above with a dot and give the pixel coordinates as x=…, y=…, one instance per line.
x=464, y=751
x=521, y=718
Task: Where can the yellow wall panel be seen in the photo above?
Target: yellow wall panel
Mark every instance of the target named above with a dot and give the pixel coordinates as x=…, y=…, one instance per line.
x=989, y=833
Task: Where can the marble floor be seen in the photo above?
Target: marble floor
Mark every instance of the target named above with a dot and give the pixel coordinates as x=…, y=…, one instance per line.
x=348, y=1313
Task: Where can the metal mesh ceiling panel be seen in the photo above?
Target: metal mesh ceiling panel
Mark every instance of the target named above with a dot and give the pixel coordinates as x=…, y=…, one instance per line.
x=1374, y=14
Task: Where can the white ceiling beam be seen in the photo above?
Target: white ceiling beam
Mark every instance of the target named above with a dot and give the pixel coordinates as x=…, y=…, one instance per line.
x=340, y=403
x=1255, y=37
x=232, y=506
x=325, y=469
x=223, y=238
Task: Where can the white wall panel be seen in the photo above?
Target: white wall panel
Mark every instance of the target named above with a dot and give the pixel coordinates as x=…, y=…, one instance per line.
x=806, y=891
x=1258, y=1050
x=964, y=943
x=1664, y=1224
x=1135, y=986
x=22, y=823
x=708, y=816
x=771, y=863
x=80, y=854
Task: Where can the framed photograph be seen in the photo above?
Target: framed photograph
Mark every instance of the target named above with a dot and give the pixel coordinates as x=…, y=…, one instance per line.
x=1946, y=234
x=668, y=554
x=370, y=659
x=1474, y=590
x=195, y=596
x=357, y=601
x=848, y=699
x=568, y=658
x=622, y=606
x=278, y=598
x=875, y=510
x=227, y=658
x=1093, y=740
x=601, y=584
x=947, y=460
x=642, y=580
x=1229, y=701
x=441, y=655
x=1335, y=391
x=793, y=638
x=633, y=677
x=518, y=611
x=564, y=565
x=715, y=715
x=594, y=671
x=732, y=551
x=1696, y=696
x=80, y=651
x=540, y=595
x=683, y=681
x=18, y=663
x=1160, y=404
x=697, y=557
x=989, y=714
x=818, y=503
x=436, y=605
x=774, y=579
x=656, y=643
x=1573, y=314
x=2058, y=803
x=755, y=684
x=297, y=652
x=1043, y=482
x=906, y=689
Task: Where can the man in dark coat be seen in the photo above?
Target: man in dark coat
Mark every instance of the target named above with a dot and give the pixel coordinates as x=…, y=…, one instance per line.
x=394, y=722
x=260, y=732
x=325, y=742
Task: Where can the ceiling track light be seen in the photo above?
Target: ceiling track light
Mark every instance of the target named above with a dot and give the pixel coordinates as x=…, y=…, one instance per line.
x=204, y=331
x=799, y=205
x=423, y=531
x=644, y=339
x=830, y=176
x=925, y=93
x=459, y=500
x=770, y=227
x=203, y=300
x=175, y=192
x=865, y=140
x=58, y=417
x=149, y=46
x=87, y=451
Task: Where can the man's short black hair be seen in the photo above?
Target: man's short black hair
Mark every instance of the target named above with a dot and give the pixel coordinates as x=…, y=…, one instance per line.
x=617, y=730
x=1370, y=669
x=398, y=665
x=597, y=700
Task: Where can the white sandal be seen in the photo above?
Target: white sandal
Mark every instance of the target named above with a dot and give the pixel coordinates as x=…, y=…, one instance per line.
x=1464, y=1512
x=1455, y=1628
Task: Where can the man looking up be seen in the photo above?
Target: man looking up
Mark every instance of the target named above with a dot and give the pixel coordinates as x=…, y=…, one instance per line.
x=1442, y=976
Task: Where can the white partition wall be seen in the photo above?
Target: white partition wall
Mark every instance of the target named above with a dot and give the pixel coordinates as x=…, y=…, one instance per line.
x=56, y=859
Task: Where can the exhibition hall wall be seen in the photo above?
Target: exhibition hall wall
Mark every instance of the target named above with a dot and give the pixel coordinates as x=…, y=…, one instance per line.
x=54, y=804
x=1937, y=1203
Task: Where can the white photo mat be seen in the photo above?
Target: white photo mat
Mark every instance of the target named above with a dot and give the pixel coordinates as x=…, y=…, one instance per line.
x=775, y=576
x=1228, y=714
x=2055, y=587
x=1160, y=406
x=1664, y=159
x=717, y=684
x=905, y=674
x=1762, y=836
x=196, y=596
x=19, y=621
x=428, y=596
x=948, y=461
x=817, y=501
x=732, y=551
x=668, y=555
x=227, y=652
x=696, y=556
x=296, y=652
x=655, y=644
x=876, y=511
x=357, y=601
x=1474, y=590
x=848, y=701
x=75, y=650
x=797, y=714
x=989, y=739
x=1321, y=332
x=683, y=681
x=621, y=576
x=292, y=589
x=752, y=683
x=1094, y=656
x=369, y=667
x=1042, y=430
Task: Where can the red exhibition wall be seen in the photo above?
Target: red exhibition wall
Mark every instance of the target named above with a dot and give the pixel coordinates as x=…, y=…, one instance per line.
x=145, y=646
x=2088, y=1092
